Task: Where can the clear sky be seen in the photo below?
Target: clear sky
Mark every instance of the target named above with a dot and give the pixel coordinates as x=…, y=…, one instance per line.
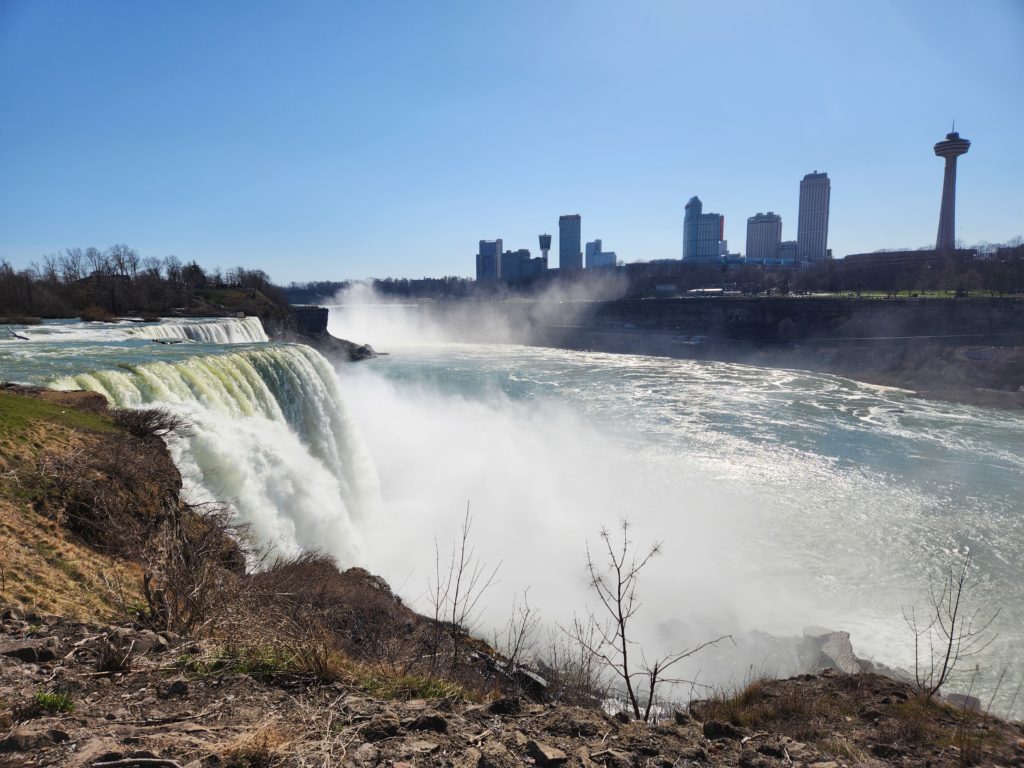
x=332, y=140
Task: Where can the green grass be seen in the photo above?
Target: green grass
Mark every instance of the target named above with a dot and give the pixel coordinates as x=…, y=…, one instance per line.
x=53, y=703
x=18, y=412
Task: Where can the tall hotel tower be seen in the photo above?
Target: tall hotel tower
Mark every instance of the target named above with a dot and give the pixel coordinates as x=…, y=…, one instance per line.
x=570, y=255
x=950, y=149
x=703, y=233
x=812, y=224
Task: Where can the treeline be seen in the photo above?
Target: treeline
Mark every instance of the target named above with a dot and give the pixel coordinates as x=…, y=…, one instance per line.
x=321, y=291
x=102, y=284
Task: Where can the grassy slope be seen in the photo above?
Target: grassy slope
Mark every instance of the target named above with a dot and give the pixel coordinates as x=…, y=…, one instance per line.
x=41, y=565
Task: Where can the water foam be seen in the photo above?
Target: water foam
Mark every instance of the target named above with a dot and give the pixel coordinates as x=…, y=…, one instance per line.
x=246, y=330
x=269, y=433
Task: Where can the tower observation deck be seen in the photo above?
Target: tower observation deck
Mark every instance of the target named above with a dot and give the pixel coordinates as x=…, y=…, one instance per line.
x=951, y=148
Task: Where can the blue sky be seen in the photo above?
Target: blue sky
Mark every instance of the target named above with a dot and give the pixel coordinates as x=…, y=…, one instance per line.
x=332, y=140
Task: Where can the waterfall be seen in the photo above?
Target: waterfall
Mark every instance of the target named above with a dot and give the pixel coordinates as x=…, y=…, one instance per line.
x=269, y=433
x=220, y=331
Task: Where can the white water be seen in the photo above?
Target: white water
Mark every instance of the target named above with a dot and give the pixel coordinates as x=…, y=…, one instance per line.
x=246, y=330
x=784, y=498
x=269, y=433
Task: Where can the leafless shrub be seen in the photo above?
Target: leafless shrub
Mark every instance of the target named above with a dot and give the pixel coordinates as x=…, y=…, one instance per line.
x=615, y=585
x=574, y=674
x=148, y=422
x=112, y=659
x=454, y=596
x=951, y=631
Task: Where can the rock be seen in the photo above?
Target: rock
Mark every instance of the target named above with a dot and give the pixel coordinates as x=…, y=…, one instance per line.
x=382, y=726
x=622, y=716
x=27, y=737
x=367, y=755
x=773, y=748
x=545, y=754
x=964, y=702
x=494, y=754
x=714, y=729
x=510, y=705
x=751, y=759
x=468, y=759
x=11, y=613
x=680, y=717
x=31, y=651
x=177, y=687
x=837, y=652
x=423, y=747
x=432, y=722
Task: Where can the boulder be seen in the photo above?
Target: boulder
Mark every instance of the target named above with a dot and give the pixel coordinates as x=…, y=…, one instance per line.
x=31, y=651
x=715, y=729
x=544, y=754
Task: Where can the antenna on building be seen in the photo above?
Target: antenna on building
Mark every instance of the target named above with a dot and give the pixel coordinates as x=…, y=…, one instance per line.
x=954, y=125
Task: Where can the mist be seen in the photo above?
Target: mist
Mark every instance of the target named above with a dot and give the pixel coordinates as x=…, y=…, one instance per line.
x=541, y=480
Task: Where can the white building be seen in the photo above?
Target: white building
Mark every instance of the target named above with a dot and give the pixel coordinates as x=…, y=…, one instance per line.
x=764, y=234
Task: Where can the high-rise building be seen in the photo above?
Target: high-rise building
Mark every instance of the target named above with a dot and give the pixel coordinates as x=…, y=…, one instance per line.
x=787, y=251
x=515, y=265
x=703, y=233
x=764, y=235
x=812, y=224
x=951, y=149
x=599, y=259
x=570, y=256
x=488, y=260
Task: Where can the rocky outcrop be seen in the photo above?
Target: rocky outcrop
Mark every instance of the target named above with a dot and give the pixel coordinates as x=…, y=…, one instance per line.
x=308, y=325
x=158, y=710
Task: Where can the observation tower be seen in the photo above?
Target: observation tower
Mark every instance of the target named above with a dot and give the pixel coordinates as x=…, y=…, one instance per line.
x=951, y=149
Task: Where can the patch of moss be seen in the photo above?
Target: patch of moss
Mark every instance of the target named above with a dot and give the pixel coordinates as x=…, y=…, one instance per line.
x=18, y=413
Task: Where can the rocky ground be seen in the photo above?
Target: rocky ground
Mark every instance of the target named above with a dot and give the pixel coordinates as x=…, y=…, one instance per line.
x=88, y=695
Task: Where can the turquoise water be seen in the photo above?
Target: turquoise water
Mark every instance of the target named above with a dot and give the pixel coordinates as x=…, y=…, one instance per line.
x=783, y=498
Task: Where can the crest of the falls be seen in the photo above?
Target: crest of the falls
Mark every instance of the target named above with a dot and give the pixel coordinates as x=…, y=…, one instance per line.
x=269, y=433
x=245, y=330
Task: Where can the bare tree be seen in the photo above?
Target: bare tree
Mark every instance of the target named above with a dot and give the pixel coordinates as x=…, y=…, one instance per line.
x=455, y=593
x=615, y=582
x=951, y=632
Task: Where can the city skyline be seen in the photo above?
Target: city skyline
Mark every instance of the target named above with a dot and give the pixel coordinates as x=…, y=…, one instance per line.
x=335, y=142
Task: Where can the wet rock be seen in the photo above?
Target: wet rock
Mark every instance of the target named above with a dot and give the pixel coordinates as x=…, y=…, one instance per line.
x=714, y=729
x=545, y=754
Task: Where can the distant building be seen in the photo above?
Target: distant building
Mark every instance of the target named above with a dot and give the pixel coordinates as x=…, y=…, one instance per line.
x=764, y=235
x=703, y=233
x=513, y=264
x=787, y=251
x=570, y=255
x=488, y=260
x=545, y=246
x=812, y=224
x=599, y=259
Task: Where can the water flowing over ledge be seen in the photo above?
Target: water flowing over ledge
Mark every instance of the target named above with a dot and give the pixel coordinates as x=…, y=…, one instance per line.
x=246, y=330
x=269, y=433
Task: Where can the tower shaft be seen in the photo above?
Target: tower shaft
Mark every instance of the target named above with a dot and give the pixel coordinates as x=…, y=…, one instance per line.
x=946, y=238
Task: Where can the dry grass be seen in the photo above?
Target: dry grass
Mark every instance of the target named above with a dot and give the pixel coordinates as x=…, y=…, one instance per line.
x=263, y=747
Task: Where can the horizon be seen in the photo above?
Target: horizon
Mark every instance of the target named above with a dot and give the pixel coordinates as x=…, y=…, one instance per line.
x=342, y=143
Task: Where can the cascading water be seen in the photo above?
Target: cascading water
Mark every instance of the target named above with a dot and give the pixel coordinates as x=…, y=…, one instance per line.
x=269, y=432
x=241, y=331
